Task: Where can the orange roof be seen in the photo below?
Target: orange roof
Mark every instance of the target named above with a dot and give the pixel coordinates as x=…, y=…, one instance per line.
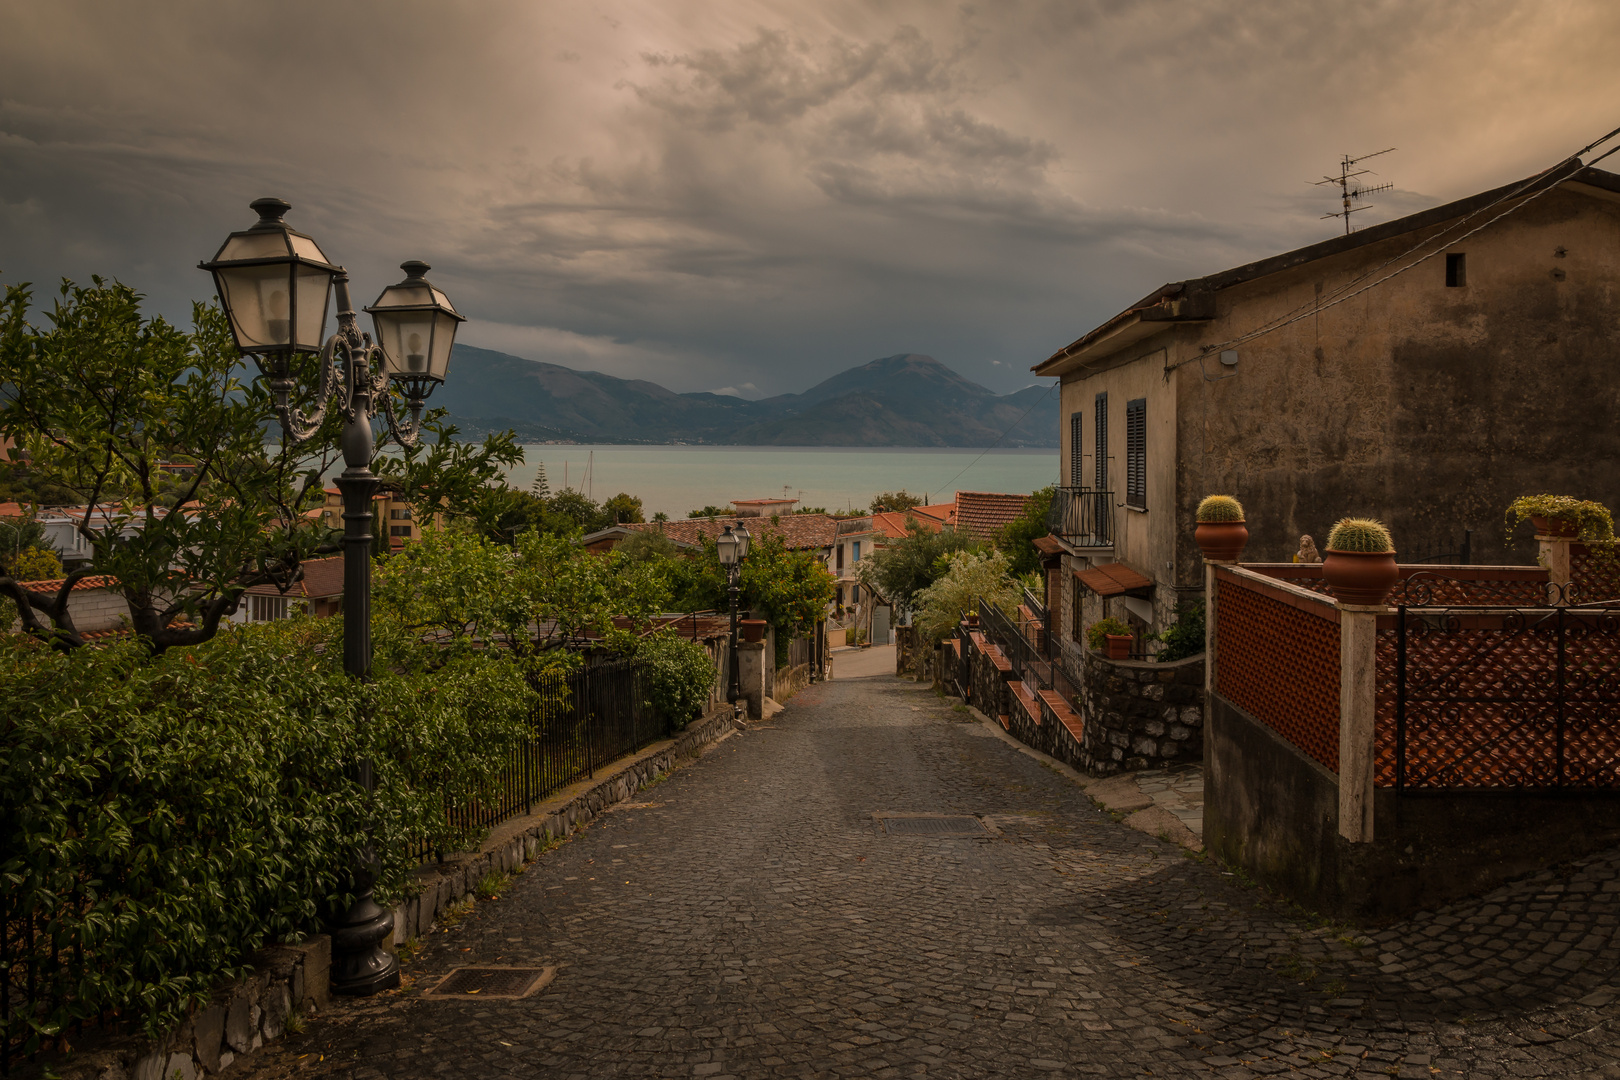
x=1047, y=545
x=798, y=531
x=94, y=581
x=1114, y=579
x=895, y=524
x=322, y=577
x=12, y=509
x=983, y=513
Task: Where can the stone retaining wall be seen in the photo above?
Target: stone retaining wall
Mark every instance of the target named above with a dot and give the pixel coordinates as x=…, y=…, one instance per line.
x=1140, y=714
x=790, y=680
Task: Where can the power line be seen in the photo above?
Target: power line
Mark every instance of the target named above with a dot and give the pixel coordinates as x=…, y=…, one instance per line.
x=1549, y=178
x=1004, y=434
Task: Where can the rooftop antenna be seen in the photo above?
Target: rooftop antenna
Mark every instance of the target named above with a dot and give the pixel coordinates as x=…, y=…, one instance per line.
x=1352, y=191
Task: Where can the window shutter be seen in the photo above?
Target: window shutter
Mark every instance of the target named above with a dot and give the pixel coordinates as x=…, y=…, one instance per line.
x=1077, y=478
x=1136, y=453
x=1100, y=426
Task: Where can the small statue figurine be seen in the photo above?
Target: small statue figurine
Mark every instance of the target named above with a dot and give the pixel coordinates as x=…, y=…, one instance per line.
x=1307, y=552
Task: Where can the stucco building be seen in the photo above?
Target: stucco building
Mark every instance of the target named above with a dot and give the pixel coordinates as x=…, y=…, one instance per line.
x=1425, y=371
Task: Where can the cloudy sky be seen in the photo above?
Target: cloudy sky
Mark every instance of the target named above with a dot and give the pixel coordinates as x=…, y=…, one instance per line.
x=728, y=192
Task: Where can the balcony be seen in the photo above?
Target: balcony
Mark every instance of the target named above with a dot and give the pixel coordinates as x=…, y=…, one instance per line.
x=1082, y=517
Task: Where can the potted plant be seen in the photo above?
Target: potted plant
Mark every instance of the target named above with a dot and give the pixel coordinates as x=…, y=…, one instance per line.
x=1221, y=532
x=1359, y=565
x=1562, y=515
x=1112, y=637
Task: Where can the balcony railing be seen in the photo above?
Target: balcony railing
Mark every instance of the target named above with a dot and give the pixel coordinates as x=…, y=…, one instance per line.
x=1082, y=517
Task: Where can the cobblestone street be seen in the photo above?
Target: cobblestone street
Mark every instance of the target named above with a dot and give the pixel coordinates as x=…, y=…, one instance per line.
x=747, y=917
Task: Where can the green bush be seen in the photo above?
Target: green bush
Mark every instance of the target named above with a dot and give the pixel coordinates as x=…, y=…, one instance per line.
x=1592, y=520
x=680, y=673
x=1185, y=636
x=1097, y=632
x=167, y=816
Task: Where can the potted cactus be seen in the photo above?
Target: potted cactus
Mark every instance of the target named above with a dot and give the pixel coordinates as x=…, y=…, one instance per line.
x=1359, y=565
x=1221, y=533
x=1112, y=637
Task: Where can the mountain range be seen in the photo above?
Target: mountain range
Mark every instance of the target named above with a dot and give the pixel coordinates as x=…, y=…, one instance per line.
x=903, y=400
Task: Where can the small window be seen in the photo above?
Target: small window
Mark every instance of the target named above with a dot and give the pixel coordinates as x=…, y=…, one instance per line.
x=839, y=595
x=1077, y=478
x=399, y=530
x=1077, y=630
x=1136, y=453
x=1100, y=428
x=856, y=552
x=840, y=556
x=1456, y=270
x=854, y=594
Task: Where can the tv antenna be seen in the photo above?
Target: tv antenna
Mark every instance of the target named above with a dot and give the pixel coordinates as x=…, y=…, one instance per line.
x=1351, y=191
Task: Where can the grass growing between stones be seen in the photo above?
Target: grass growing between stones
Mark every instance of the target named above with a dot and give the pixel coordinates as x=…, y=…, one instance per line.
x=492, y=885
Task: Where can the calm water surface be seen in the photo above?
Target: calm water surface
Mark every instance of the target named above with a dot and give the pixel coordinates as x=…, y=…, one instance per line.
x=676, y=479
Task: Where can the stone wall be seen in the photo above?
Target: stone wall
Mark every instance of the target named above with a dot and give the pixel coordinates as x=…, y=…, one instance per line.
x=1140, y=714
x=790, y=680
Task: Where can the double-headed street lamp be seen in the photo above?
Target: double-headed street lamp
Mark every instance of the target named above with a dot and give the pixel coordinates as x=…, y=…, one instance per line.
x=733, y=548
x=274, y=283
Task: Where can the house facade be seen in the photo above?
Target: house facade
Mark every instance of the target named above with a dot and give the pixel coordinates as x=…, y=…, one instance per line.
x=395, y=517
x=1351, y=377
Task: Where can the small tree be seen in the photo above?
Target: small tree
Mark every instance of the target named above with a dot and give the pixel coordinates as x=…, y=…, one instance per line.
x=1016, y=538
x=970, y=577
x=710, y=511
x=902, y=568
x=623, y=509
x=895, y=500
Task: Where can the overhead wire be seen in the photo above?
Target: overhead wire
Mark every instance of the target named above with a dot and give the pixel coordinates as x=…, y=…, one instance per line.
x=1349, y=289
x=1004, y=434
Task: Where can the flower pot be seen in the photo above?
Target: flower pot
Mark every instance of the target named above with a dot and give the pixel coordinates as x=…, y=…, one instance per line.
x=973, y=619
x=1554, y=527
x=1360, y=577
x=752, y=629
x=1119, y=646
x=1221, y=541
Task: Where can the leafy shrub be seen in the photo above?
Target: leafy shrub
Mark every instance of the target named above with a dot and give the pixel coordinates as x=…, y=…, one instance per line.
x=1185, y=636
x=1592, y=520
x=968, y=577
x=1360, y=534
x=680, y=674
x=167, y=816
x=1220, y=508
x=1097, y=633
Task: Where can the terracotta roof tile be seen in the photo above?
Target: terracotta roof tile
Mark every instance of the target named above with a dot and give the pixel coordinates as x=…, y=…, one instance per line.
x=895, y=524
x=1114, y=579
x=94, y=581
x=322, y=577
x=1047, y=545
x=798, y=531
x=983, y=513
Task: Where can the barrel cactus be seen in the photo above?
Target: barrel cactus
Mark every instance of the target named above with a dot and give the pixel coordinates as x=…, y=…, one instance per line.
x=1220, y=508
x=1360, y=534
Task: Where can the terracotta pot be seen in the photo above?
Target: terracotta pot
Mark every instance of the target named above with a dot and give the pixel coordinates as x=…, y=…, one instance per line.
x=1221, y=541
x=973, y=620
x=752, y=629
x=1119, y=646
x=1360, y=577
x=1554, y=527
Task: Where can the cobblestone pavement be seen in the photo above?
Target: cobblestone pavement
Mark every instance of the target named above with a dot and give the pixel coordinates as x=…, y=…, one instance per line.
x=747, y=918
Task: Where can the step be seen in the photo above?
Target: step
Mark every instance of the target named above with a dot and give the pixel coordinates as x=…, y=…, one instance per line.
x=1027, y=700
x=1066, y=715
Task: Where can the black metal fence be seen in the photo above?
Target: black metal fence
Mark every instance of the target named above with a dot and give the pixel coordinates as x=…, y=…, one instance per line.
x=585, y=720
x=1037, y=608
x=1035, y=669
x=1083, y=517
x=1499, y=698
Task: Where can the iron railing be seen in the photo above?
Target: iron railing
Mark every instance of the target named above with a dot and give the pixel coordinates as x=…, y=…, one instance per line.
x=1082, y=517
x=1505, y=698
x=1037, y=608
x=1035, y=669
x=584, y=721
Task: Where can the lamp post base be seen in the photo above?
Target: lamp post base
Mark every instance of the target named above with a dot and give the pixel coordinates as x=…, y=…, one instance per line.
x=360, y=965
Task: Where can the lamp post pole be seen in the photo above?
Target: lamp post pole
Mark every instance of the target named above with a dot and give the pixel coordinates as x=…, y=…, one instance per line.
x=732, y=547
x=273, y=284
x=735, y=690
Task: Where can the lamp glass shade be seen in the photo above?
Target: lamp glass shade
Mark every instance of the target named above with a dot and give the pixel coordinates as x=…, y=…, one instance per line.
x=726, y=544
x=274, y=284
x=744, y=538
x=416, y=327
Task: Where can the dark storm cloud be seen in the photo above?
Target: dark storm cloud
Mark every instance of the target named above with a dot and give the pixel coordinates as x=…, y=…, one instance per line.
x=720, y=194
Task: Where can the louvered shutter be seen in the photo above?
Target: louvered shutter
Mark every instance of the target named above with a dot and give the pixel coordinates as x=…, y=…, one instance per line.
x=1136, y=453
x=1100, y=426
x=1076, y=476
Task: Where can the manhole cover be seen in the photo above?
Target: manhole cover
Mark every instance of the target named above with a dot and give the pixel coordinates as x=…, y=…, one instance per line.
x=493, y=982
x=933, y=825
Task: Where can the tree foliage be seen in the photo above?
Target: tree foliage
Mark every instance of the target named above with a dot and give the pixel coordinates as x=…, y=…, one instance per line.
x=969, y=577
x=680, y=674
x=900, y=569
x=101, y=397
x=623, y=509
x=895, y=500
x=1016, y=538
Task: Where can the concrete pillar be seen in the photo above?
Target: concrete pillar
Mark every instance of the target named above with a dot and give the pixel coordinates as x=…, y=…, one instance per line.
x=1555, y=556
x=751, y=667
x=1211, y=630
x=1358, y=690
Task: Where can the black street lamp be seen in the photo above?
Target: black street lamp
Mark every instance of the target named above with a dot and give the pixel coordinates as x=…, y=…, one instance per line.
x=273, y=283
x=733, y=548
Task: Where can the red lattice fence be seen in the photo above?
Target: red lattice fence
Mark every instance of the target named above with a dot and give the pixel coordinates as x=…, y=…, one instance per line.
x=1595, y=572
x=1277, y=658
x=1500, y=586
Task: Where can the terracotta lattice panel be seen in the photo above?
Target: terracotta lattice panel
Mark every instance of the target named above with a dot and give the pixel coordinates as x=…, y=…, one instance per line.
x=1595, y=575
x=1503, y=699
x=1280, y=663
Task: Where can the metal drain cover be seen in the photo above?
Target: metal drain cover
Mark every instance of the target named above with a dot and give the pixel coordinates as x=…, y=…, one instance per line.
x=492, y=982
x=933, y=825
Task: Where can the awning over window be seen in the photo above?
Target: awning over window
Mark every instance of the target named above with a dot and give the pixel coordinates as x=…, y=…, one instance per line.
x=1047, y=545
x=1114, y=579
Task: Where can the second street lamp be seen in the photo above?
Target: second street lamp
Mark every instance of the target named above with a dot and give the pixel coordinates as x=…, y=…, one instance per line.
x=273, y=284
x=732, y=546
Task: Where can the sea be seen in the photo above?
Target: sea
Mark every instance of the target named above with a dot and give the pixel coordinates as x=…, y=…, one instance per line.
x=677, y=479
